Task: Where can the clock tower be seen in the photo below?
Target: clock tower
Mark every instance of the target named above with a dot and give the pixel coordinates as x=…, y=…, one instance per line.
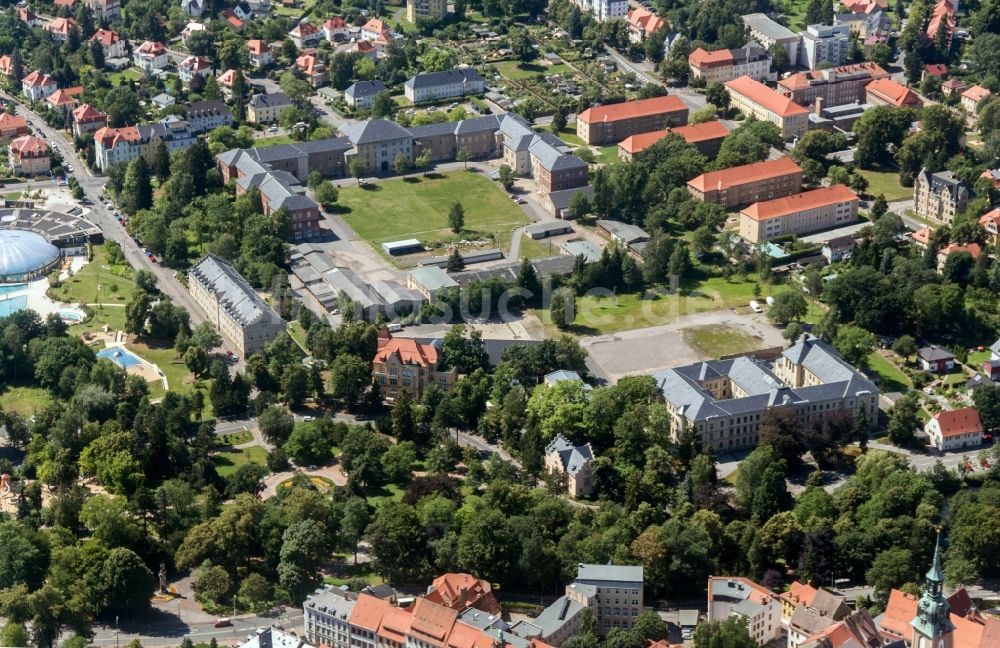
x=932, y=627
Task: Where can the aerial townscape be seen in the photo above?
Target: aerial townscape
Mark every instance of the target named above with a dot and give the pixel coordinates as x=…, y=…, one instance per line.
x=500, y=324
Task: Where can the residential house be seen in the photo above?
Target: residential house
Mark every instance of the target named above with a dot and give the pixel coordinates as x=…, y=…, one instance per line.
x=838, y=249
x=613, y=592
x=972, y=98
x=825, y=45
x=886, y=92
x=405, y=364
x=798, y=594
x=749, y=183
x=706, y=137
x=642, y=23
x=336, y=29
x=723, y=65
x=614, y=122
x=741, y=597
x=377, y=142
x=836, y=86
x=991, y=223
x=430, y=10
x=194, y=66
x=769, y=33
x=938, y=71
x=476, y=136
x=150, y=57
x=37, y=86
x=274, y=637
x=260, y=53
x=574, y=463
x=754, y=98
x=361, y=94
x=313, y=69
x=105, y=10
x=27, y=16
x=59, y=29
x=194, y=8
x=798, y=214
x=972, y=249
x=12, y=127
x=10, y=69
x=955, y=429
x=365, y=48
x=821, y=611
x=724, y=401
x=552, y=167
x=874, y=22
x=326, y=615
x=448, y=84
x=87, y=119
x=375, y=29
x=266, y=108
x=463, y=591
x=942, y=20
x=233, y=20
x=190, y=29
x=111, y=42
x=205, y=116
x=429, y=281
x=28, y=155
x=936, y=359
x=921, y=238
x=993, y=175
x=854, y=631
x=602, y=10
x=233, y=306
x=305, y=34
x=226, y=80
x=65, y=101
x=939, y=196
x=953, y=87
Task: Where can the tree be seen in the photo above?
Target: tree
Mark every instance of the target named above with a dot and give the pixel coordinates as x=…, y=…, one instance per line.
x=136, y=193
x=205, y=336
x=903, y=420
x=780, y=60
x=905, y=346
x=717, y=95
x=327, y=194
x=349, y=375
x=731, y=632
x=196, y=360
x=506, y=176
x=398, y=461
x=986, y=400
x=456, y=263
x=424, y=160
x=488, y=546
x=456, y=217
x=129, y=583
x=382, y=105
x=310, y=443
x=304, y=547
x=256, y=591
x=398, y=541
x=558, y=120
x=787, y=306
x=357, y=169
x=463, y=156
x=14, y=635
x=563, y=308
x=276, y=424
x=211, y=583
x=782, y=430
x=401, y=163
x=579, y=205
x=855, y=344
x=890, y=569
x=137, y=313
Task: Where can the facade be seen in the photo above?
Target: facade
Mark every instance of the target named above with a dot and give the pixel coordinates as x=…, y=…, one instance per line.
x=749, y=183
x=150, y=56
x=972, y=98
x=836, y=86
x=612, y=123
x=194, y=66
x=724, y=401
x=572, y=462
x=335, y=29
x=204, y=116
x=463, y=591
x=942, y=19
x=10, y=70
x=377, y=142
x=361, y=94
x=59, y=29
x=754, y=98
x=37, y=86
x=426, y=9
x=105, y=9
x=64, y=101
x=936, y=359
x=28, y=156
x=112, y=44
x=12, y=127
x=602, y=10
x=116, y=145
x=825, y=44
x=940, y=196
x=723, y=65
x=552, y=169
x=260, y=54
x=405, y=364
x=313, y=69
x=802, y=213
x=376, y=29
x=886, y=92
x=233, y=306
x=429, y=281
x=305, y=34
x=613, y=592
x=706, y=137
x=266, y=108
x=955, y=429
x=642, y=24
x=435, y=86
x=741, y=597
x=769, y=33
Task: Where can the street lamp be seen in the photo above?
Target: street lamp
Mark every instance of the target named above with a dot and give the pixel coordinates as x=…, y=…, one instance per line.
x=116, y=631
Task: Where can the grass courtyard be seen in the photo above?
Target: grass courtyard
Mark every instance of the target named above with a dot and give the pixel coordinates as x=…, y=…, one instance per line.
x=25, y=401
x=518, y=71
x=719, y=340
x=891, y=378
x=417, y=207
x=228, y=462
x=98, y=283
x=887, y=183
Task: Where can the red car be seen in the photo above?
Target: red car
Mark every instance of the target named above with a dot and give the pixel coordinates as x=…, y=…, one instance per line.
x=223, y=623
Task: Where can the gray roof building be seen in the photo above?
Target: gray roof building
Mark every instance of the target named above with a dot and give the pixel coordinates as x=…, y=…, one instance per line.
x=272, y=100
x=573, y=458
x=624, y=232
x=762, y=23
x=443, y=78
x=363, y=89
x=595, y=574
x=590, y=252
x=546, y=229
x=232, y=291
x=374, y=130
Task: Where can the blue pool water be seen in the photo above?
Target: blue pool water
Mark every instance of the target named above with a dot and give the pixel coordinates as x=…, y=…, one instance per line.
x=70, y=316
x=12, y=305
x=9, y=288
x=120, y=357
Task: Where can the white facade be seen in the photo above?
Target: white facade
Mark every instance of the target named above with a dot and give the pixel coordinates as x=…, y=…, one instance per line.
x=443, y=85
x=965, y=439
x=825, y=44
x=603, y=10
x=39, y=91
x=150, y=57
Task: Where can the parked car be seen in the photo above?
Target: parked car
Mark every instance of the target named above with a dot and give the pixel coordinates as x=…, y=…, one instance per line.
x=223, y=623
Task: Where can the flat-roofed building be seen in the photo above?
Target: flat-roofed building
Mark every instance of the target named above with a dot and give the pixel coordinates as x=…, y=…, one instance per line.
x=769, y=33
x=706, y=137
x=233, y=306
x=613, y=592
x=749, y=183
x=825, y=44
x=802, y=213
x=754, y=98
x=429, y=281
x=431, y=10
x=614, y=122
x=835, y=86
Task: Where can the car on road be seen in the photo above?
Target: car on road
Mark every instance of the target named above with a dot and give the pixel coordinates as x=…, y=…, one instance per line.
x=152, y=258
x=223, y=623
x=308, y=418
x=272, y=129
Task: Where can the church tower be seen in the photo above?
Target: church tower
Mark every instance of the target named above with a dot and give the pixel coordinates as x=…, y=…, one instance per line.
x=932, y=627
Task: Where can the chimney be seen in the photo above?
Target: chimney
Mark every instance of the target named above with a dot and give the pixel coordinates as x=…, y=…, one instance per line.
x=818, y=106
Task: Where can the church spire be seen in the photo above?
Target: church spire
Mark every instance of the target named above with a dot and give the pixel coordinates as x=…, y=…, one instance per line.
x=933, y=612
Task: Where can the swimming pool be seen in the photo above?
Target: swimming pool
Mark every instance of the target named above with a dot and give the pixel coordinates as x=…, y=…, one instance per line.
x=12, y=288
x=70, y=316
x=12, y=305
x=120, y=356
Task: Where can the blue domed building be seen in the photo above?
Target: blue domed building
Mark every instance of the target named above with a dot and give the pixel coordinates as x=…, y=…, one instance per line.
x=25, y=256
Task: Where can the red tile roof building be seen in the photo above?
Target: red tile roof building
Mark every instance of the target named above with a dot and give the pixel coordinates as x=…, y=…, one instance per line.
x=461, y=591
x=835, y=86
x=991, y=223
x=12, y=126
x=28, y=156
x=971, y=629
x=798, y=214
x=972, y=99
x=404, y=363
x=886, y=92
x=65, y=100
x=936, y=70
x=712, y=66
x=59, y=28
x=749, y=183
x=955, y=429
x=110, y=41
x=642, y=23
x=313, y=68
x=7, y=68
x=87, y=119
x=706, y=137
x=37, y=86
x=754, y=98
x=614, y=122
x=942, y=17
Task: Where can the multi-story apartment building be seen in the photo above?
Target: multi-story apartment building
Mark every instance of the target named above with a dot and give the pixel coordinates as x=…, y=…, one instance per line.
x=204, y=116
x=940, y=196
x=573, y=462
x=725, y=401
x=448, y=84
x=28, y=155
x=802, y=213
x=749, y=183
x=266, y=108
x=836, y=86
x=769, y=33
x=111, y=42
x=754, y=98
x=426, y=9
x=405, y=364
x=642, y=24
x=260, y=53
x=126, y=144
x=150, y=56
x=541, y=156
x=886, y=92
x=825, y=44
x=327, y=613
x=613, y=592
x=477, y=137
x=105, y=10
x=972, y=98
x=233, y=306
x=741, y=597
x=377, y=142
x=706, y=137
x=723, y=65
x=602, y=10
x=38, y=86
x=612, y=123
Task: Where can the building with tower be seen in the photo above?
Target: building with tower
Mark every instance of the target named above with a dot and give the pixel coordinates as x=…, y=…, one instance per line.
x=932, y=627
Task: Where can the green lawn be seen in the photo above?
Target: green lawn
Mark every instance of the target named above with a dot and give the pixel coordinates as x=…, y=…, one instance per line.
x=532, y=249
x=977, y=358
x=886, y=183
x=297, y=333
x=264, y=142
x=234, y=438
x=98, y=283
x=25, y=400
x=129, y=74
x=569, y=136
x=387, y=493
x=607, y=154
x=717, y=340
x=418, y=208
x=519, y=71
x=226, y=463
x=598, y=315
x=12, y=195
x=891, y=377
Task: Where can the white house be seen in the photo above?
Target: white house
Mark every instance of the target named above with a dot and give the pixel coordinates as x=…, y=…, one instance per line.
x=434, y=86
x=194, y=66
x=193, y=8
x=260, y=53
x=150, y=56
x=305, y=34
x=955, y=429
x=37, y=86
x=112, y=44
x=335, y=29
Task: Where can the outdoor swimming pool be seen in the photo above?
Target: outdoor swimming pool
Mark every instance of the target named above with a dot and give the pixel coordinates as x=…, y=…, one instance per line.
x=70, y=316
x=120, y=356
x=12, y=288
x=12, y=305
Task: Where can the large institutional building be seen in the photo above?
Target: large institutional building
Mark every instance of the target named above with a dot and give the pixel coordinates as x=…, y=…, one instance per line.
x=749, y=183
x=803, y=213
x=836, y=86
x=754, y=98
x=725, y=401
x=233, y=306
x=612, y=123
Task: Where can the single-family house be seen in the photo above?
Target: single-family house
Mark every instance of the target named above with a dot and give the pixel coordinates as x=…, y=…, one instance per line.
x=360, y=94
x=28, y=156
x=194, y=66
x=266, y=108
x=260, y=53
x=205, y=116
x=38, y=86
x=955, y=429
x=305, y=34
x=376, y=29
x=572, y=462
x=191, y=28
x=193, y=8
x=313, y=69
x=150, y=56
x=87, y=119
x=12, y=127
x=335, y=29
x=59, y=29
x=936, y=359
x=111, y=42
